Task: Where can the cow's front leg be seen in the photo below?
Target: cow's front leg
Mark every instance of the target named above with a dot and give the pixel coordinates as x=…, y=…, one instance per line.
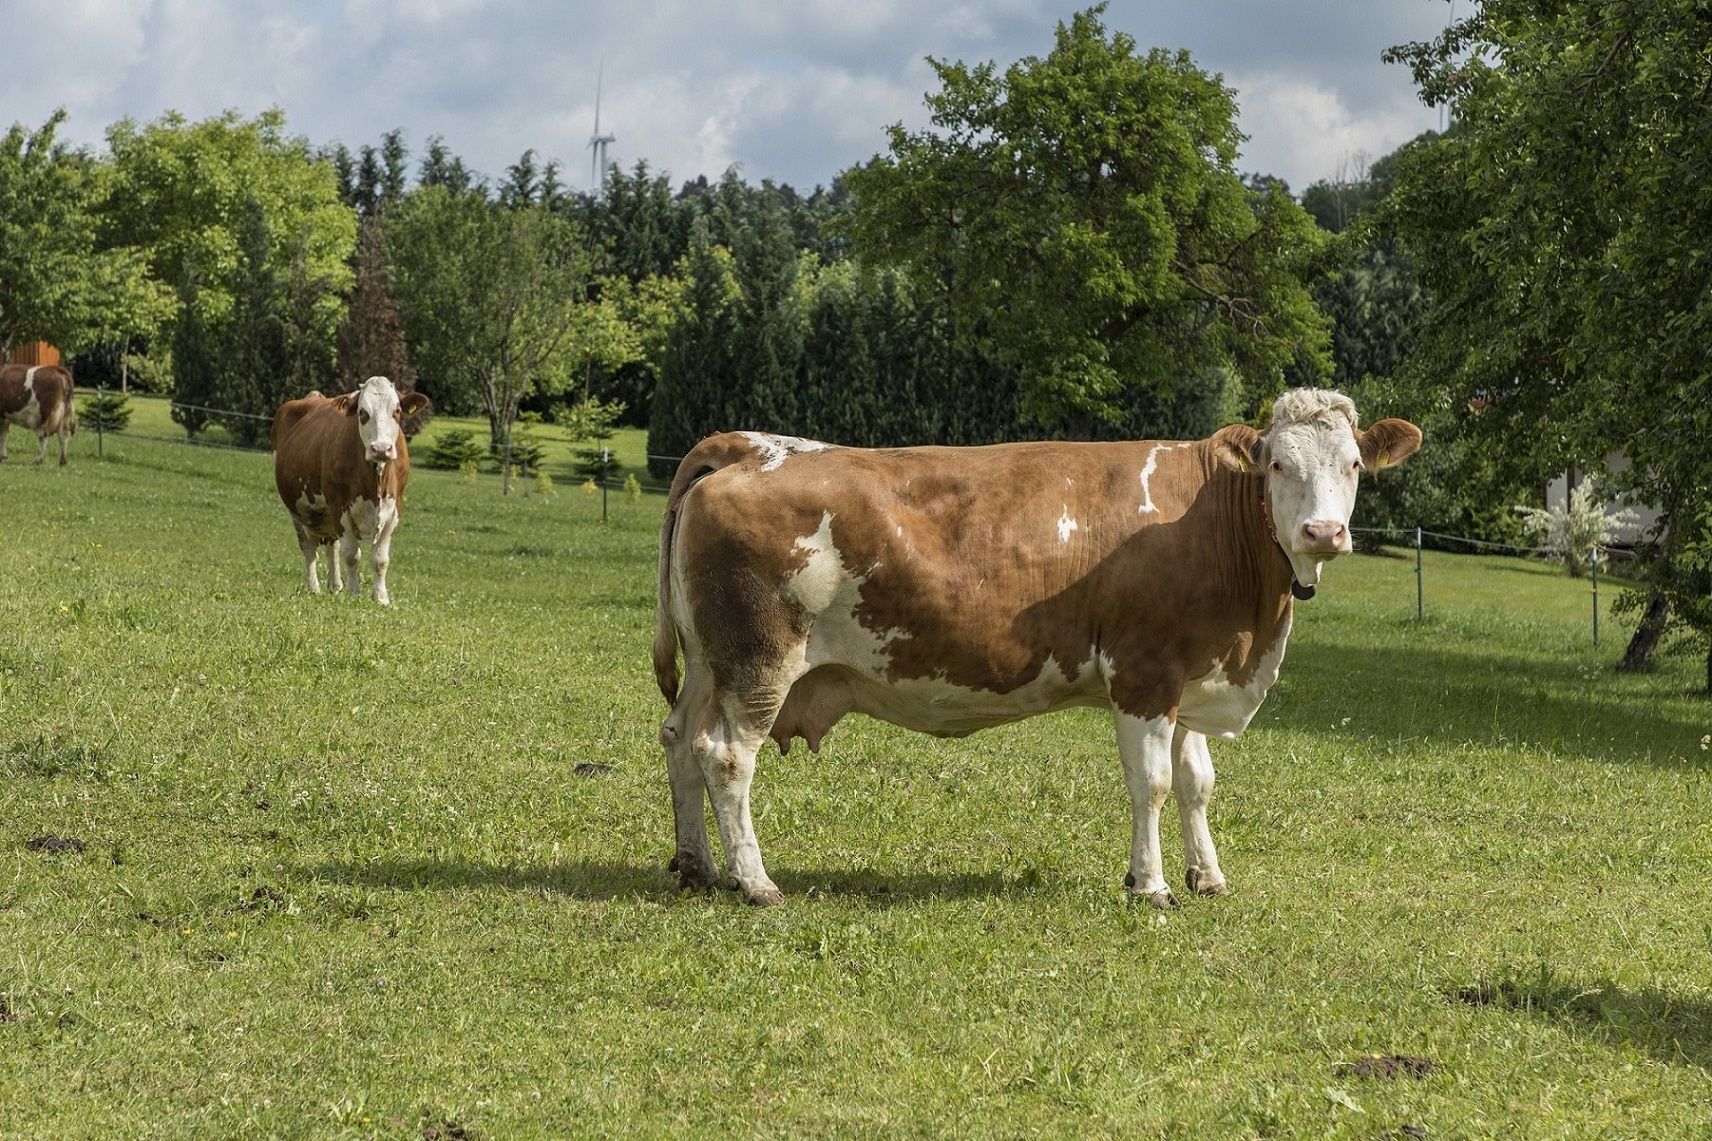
x=726, y=752
x=380, y=556
x=349, y=550
x=1144, y=745
x=1192, y=781
x=5, y=430
x=335, y=577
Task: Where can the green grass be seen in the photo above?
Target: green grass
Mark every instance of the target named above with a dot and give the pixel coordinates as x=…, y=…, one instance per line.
x=344, y=878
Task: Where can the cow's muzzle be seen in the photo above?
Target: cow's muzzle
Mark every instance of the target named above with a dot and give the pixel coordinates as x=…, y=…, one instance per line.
x=1324, y=538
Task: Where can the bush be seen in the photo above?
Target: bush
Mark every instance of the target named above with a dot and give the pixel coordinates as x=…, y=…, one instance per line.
x=454, y=449
x=1572, y=530
x=104, y=411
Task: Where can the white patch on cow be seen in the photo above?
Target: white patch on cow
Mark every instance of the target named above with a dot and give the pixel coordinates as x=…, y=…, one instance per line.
x=1213, y=705
x=30, y=415
x=368, y=520
x=775, y=450
x=1147, y=505
x=831, y=593
x=1065, y=525
x=935, y=705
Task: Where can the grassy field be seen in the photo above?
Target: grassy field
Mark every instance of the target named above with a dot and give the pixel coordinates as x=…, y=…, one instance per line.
x=401, y=873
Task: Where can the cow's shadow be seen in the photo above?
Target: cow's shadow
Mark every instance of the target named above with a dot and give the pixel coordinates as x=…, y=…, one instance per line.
x=595, y=880
x=1672, y=1027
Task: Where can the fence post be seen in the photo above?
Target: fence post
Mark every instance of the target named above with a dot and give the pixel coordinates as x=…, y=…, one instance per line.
x=1420, y=591
x=100, y=415
x=605, y=459
x=1595, y=564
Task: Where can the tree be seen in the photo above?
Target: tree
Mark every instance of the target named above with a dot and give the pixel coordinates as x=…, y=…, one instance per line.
x=490, y=299
x=46, y=234
x=1091, y=198
x=178, y=192
x=689, y=401
x=1561, y=233
x=371, y=340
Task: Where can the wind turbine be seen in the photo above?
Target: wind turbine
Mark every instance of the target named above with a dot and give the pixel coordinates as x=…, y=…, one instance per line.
x=598, y=141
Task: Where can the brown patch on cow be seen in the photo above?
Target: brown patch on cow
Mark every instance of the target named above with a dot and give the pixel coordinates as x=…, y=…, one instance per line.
x=1390, y=1066
x=51, y=843
x=592, y=769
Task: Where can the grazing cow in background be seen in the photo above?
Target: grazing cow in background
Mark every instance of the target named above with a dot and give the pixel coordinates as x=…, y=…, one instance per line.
x=37, y=397
x=341, y=464
x=950, y=589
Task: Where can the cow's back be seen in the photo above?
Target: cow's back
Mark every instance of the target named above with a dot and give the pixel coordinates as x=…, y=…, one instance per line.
x=40, y=394
x=316, y=455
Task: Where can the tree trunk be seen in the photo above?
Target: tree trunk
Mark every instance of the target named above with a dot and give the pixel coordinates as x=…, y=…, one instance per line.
x=1638, y=657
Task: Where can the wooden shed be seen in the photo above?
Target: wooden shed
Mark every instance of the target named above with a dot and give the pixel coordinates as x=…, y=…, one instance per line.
x=33, y=352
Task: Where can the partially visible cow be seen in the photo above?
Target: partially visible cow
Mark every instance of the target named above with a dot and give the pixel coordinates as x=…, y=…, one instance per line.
x=341, y=464
x=950, y=589
x=37, y=397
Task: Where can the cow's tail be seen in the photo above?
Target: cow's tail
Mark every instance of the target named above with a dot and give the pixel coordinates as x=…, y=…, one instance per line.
x=704, y=459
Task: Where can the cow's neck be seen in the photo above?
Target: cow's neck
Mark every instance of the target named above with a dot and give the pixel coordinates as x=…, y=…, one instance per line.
x=1297, y=590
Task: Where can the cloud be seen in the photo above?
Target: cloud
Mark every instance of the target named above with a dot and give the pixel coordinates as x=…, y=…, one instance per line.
x=1303, y=131
x=795, y=92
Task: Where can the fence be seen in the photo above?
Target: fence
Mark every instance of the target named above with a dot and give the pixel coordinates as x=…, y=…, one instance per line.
x=604, y=481
x=1595, y=552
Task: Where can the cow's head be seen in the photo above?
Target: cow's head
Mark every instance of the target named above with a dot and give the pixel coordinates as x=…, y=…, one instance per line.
x=1311, y=459
x=380, y=414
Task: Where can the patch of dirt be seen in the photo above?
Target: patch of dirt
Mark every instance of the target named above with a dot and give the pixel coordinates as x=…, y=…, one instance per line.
x=52, y=843
x=446, y=1131
x=7, y=1014
x=149, y=917
x=592, y=769
x=1488, y=994
x=1390, y=1066
x=1405, y=1133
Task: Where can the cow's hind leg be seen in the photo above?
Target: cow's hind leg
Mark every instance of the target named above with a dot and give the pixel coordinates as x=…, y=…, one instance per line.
x=732, y=732
x=64, y=439
x=41, y=445
x=693, y=857
x=1144, y=744
x=1192, y=780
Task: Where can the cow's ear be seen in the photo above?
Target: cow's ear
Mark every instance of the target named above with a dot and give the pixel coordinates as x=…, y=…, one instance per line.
x=1239, y=447
x=411, y=403
x=346, y=404
x=1387, y=442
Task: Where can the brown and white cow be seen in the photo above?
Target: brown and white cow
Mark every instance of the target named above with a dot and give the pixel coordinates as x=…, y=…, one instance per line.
x=341, y=464
x=950, y=589
x=37, y=397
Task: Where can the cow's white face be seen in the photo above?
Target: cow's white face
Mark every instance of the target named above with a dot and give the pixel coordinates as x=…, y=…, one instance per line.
x=1311, y=472
x=379, y=419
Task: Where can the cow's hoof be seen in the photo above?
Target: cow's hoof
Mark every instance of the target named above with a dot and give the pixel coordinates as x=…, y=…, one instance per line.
x=1160, y=898
x=690, y=876
x=1199, y=883
x=764, y=897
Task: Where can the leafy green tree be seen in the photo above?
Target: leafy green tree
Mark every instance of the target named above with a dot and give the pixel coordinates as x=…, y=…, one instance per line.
x=698, y=355
x=178, y=193
x=490, y=298
x=371, y=340
x=1561, y=233
x=195, y=361
x=1091, y=198
x=46, y=234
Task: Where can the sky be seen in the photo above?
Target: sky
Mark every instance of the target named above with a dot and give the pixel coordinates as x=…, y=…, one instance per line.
x=789, y=90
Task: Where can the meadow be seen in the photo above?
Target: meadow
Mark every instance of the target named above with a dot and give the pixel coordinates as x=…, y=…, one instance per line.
x=346, y=871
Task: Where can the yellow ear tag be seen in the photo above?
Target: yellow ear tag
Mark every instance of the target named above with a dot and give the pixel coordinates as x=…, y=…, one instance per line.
x=1244, y=465
x=1384, y=458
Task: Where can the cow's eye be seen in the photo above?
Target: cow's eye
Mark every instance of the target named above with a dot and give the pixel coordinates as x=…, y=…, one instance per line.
x=1357, y=466
x=363, y=415
x=1277, y=467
